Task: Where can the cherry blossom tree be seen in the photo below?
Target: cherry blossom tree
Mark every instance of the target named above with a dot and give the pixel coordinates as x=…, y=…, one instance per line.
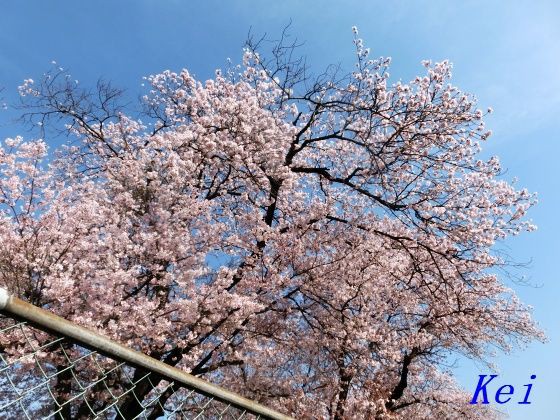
x=321, y=244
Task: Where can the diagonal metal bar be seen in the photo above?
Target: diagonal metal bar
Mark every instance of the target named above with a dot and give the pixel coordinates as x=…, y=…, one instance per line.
x=191, y=393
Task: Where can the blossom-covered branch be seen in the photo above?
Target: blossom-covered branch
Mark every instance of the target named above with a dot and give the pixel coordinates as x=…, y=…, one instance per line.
x=319, y=244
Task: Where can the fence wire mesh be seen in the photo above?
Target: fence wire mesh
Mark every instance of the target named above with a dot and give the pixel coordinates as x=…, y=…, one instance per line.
x=44, y=376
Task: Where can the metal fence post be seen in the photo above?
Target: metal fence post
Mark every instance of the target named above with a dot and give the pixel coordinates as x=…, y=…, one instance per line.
x=48, y=322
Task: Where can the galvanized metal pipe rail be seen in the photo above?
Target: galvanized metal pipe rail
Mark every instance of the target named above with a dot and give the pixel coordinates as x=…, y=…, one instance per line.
x=37, y=316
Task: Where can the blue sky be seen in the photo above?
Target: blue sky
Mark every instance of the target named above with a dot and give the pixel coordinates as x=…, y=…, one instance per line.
x=506, y=53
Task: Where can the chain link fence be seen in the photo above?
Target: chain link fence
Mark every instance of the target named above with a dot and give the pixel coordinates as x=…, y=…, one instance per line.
x=53, y=369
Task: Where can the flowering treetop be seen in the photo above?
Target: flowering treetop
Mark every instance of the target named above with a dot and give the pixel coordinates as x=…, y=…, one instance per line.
x=320, y=244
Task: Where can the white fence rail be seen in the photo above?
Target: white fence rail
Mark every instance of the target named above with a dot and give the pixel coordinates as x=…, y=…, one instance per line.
x=53, y=368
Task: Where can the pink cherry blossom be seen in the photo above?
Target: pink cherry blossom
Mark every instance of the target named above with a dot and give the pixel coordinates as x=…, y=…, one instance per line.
x=320, y=246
